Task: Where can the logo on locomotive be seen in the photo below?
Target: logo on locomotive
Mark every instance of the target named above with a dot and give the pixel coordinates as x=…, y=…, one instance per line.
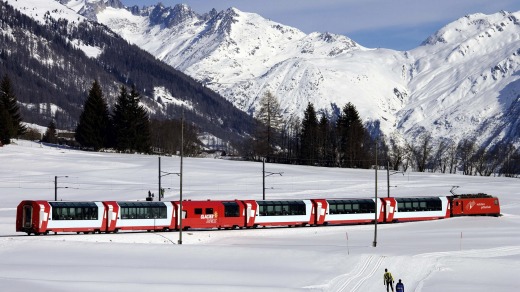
x=471, y=205
x=210, y=218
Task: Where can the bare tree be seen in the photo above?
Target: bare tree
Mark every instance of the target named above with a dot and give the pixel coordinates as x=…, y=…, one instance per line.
x=422, y=151
x=465, y=153
x=270, y=122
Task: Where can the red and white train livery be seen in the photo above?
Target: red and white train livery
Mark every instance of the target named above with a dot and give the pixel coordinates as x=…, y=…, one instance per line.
x=42, y=217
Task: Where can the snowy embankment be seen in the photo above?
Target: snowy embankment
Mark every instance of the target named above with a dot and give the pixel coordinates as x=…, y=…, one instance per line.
x=457, y=254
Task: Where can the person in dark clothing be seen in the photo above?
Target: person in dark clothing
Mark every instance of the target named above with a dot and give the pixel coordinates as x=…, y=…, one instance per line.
x=388, y=280
x=399, y=287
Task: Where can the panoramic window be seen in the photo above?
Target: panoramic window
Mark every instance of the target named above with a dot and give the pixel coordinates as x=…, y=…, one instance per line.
x=74, y=210
x=143, y=210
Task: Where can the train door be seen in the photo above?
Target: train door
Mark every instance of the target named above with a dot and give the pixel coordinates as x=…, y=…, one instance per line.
x=248, y=213
x=109, y=217
x=320, y=209
x=457, y=207
x=27, y=216
x=389, y=208
x=318, y=212
x=111, y=209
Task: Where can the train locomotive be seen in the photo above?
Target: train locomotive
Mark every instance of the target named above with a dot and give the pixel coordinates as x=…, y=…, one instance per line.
x=41, y=217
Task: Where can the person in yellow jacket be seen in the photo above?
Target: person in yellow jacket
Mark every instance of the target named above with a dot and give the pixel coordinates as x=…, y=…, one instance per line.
x=388, y=280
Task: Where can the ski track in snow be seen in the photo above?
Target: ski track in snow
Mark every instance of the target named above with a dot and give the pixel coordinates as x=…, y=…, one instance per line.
x=348, y=282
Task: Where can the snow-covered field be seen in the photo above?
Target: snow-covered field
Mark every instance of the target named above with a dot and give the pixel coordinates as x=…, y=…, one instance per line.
x=457, y=254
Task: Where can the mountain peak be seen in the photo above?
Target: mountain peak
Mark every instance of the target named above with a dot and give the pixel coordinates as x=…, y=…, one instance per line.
x=171, y=16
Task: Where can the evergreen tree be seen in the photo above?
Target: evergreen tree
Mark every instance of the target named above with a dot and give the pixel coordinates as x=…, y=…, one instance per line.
x=141, y=123
x=94, y=123
x=9, y=103
x=352, y=135
x=309, y=135
x=51, y=135
x=5, y=125
x=326, y=143
x=131, y=124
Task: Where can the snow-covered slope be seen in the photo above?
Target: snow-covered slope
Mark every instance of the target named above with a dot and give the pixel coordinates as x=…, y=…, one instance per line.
x=460, y=83
x=464, y=79
x=242, y=55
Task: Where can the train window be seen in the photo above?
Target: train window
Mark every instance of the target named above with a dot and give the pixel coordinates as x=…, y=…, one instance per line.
x=231, y=209
x=209, y=210
x=333, y=208
x=143, y=210
x=418, y=204
x=198, y=211
x=74, y=210
x=270, y=210
x=27, y=209
x=132, y=212
x=277, y=208
x=496, y=202
x=350, y=206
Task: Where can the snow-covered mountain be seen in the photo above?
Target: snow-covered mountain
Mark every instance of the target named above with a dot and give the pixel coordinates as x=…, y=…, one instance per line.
x=461, y=82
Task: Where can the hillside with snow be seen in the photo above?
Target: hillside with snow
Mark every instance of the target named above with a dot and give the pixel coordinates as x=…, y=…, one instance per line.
x=461, y=82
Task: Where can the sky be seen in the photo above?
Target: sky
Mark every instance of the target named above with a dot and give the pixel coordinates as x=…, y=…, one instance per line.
x=396, y=24
x=477, y=254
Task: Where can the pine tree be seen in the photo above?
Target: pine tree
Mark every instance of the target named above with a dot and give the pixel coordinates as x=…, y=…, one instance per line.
x=94, y=123
x=51, y=135
x=10, y=104
x=5, y=125
x=309, y=135
x=141, y=123
x=326, y=143
x=352, y=135
x=131, y=124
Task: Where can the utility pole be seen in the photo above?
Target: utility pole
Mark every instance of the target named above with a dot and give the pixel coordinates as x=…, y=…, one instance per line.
x=180, y=193
x=159, y=178
x=264, y=175
x=161, y=174
x=56, y=186
x=263, y=178
x=374, y=244
x=388, y=174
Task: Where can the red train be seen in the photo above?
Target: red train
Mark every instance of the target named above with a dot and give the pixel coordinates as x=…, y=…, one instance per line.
x=42, y=217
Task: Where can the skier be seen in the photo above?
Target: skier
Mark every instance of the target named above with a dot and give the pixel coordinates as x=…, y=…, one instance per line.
x=399, y=287
x=388, y=280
